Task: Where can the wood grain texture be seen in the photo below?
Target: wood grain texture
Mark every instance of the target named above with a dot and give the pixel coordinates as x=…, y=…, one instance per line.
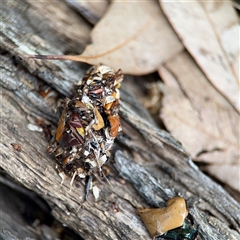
x=153, y=163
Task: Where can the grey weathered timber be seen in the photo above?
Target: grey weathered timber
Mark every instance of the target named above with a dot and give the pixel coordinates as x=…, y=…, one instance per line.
x=153, y=163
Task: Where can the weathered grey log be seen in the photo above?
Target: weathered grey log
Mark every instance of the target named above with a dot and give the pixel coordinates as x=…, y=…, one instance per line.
x=149, y=158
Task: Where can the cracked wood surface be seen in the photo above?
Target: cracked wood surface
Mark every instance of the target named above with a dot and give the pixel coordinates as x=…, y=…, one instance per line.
x=153, y=163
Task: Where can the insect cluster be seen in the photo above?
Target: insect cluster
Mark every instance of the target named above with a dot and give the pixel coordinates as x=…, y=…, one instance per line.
x=89, y=123
x=170, y=222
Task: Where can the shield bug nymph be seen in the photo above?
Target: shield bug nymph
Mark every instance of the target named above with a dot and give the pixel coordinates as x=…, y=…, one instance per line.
x=88, y=124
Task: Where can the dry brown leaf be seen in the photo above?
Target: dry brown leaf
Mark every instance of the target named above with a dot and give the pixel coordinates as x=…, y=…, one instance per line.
x=209, y=31
x=201, y=118
x=226, y=173
x=133, y=36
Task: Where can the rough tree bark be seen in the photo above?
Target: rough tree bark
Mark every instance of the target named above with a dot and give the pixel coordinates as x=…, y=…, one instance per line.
x=154, y=164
